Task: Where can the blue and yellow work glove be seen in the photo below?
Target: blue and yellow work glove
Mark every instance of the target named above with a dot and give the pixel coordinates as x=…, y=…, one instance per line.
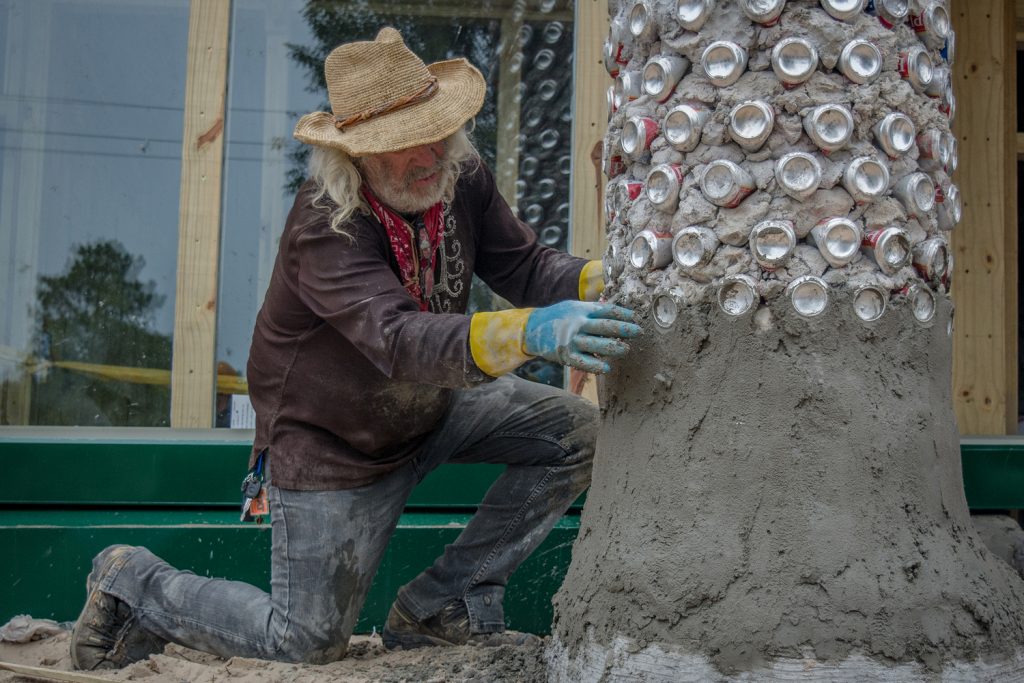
x=591, y=281
x=575, y=333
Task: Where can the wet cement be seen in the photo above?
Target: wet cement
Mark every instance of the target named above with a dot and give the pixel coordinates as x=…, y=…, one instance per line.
x=769, y=488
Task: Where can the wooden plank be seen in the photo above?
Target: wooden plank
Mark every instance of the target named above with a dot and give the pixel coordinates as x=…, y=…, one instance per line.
x=590, y=120
x=509, y=107
x=985, y=244
x=1020, y=145
x=202, y=159
x=1019, y=22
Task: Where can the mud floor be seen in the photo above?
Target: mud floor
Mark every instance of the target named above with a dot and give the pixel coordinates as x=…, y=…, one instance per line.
x=367, y=661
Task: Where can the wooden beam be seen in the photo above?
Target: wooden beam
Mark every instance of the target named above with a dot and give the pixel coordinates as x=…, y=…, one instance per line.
x=590, y=119
x=193, y=375
x=985, y=244
x=509, y=105
x=1020, y=145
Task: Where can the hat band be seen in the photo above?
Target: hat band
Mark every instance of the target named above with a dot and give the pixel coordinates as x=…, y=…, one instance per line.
x=424, y=93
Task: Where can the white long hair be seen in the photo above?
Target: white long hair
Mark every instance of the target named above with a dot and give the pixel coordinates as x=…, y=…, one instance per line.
x=337, y=177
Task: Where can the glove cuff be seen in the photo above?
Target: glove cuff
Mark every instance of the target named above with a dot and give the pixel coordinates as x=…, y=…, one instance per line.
x=591, y=281
x=496, y=340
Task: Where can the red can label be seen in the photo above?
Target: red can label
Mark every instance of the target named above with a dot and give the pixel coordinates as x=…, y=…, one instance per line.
x=650, y=131
x=634, y=189
x=903, y=66
x=870, y=239
x=917, y=22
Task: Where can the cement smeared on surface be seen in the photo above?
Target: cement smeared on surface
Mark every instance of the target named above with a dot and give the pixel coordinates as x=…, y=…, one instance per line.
x=767, y=487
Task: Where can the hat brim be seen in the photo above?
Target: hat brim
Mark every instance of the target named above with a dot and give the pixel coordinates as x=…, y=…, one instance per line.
x=460, y=95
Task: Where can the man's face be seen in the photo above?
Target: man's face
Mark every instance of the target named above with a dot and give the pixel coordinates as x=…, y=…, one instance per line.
x=410, y=180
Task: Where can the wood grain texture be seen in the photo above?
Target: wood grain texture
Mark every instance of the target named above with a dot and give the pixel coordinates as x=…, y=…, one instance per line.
x=193, y=374
x=985, y=243
x=590, y=119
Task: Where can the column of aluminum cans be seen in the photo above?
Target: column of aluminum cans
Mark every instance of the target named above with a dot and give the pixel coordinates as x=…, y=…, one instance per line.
x=680, y=126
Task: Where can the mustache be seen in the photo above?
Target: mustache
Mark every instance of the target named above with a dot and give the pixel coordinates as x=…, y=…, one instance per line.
x=421, y=173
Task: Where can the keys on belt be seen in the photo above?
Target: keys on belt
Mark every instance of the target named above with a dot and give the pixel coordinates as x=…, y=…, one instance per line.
x=254, y=494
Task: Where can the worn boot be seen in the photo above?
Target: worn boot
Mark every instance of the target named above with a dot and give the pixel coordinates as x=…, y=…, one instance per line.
x=450, y=626
x=106, y=635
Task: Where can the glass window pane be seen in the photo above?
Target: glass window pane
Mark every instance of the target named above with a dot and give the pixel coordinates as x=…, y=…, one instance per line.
x=524, y=51
x=91, y=101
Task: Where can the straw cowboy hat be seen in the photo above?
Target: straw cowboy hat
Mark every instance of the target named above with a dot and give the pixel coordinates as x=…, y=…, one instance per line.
x=386, y=99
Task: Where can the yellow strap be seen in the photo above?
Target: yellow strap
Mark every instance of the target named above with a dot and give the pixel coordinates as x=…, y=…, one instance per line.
x=591, y=281
x=496, y=340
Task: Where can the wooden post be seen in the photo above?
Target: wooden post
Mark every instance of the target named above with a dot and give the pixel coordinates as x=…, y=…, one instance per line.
x=510, y=69
x=985, y=244
x=193, y=376
x=590, y=119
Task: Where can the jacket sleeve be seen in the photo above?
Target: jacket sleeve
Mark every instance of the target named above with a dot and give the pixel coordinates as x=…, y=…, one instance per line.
x=348, y=282
x=510, y=260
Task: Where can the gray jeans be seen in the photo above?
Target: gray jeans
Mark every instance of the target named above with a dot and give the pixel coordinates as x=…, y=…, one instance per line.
x=327, y=545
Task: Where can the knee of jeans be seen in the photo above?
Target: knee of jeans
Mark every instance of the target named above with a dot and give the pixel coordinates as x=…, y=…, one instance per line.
x=307, y=648
x=581, y=437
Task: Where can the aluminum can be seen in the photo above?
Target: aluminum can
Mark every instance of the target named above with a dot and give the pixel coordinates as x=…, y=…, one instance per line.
x=694, y=246
x=954, y=153
x=830, y=126
x=620, y=193
x=612, y=262
x=737, y=294
x=641, y=21
x=933, y=150
x=618, y=32
x=843, y=10
x=723, y=62
x=931, y=260
x=947, y=104
x=692, y=14
x=915, y=67
x=683, y=124
x=798, y=174
x=637, y=134
x=940, y=81
x=764, y=12
x=661, y=75
x=869, y=302
x=772, y=243
x=948, y=51
x=888, y=247
x=750, y=124
x=628, y=86
x=895, y=134
x=607, y=54
x=917, y=194
x=609, y=202
x=838, y=239
x=650, y=250
x=725, y=184
x=611, y=160
x=950, y=209
x=665, y=310
x=931, y=22
x=890, y=13
x=610, y=98
x=663, y=185
x=866, y=179
x=794, y=60
x=860, y=61
x=809, y=295
x=922, y=302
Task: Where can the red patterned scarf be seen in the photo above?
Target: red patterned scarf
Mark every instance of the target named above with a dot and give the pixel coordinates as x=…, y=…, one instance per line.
x=415, y=254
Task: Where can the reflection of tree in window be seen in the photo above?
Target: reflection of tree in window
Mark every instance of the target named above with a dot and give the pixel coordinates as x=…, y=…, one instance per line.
x=433, y=38
x=98, y=311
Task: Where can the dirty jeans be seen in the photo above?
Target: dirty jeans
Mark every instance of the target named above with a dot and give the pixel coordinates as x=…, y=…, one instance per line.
x=326, y=545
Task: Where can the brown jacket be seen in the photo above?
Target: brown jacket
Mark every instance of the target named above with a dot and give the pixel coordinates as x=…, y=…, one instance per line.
x=346, y=374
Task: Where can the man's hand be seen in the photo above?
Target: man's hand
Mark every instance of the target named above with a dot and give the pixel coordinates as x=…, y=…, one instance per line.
x=580, y=334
